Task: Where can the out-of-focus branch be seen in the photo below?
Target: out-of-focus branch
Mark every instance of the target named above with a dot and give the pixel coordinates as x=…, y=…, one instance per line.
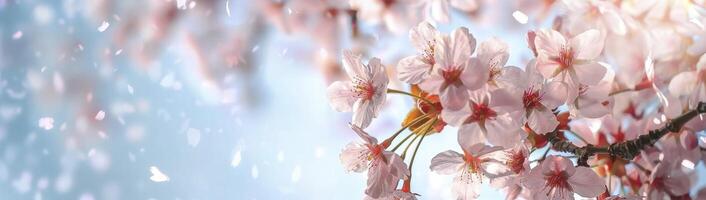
x=628, y=149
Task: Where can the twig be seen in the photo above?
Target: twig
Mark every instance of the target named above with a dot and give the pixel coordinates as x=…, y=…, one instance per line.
x=628, y=149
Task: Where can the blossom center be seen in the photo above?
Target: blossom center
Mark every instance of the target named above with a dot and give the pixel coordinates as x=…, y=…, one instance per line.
x=531, y=98
x=364, y=89
x=566, y=57
x=472, y=169
x=429, y=53
x=516, y=162
x=557, y=181
x=451, y=76
x=481, y=112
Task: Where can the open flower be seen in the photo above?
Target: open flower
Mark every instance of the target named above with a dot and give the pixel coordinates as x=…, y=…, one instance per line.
x=438, y=10
x=514, y=168
x=538, y=97
x=414, y=69
x=691, y=84
x=486, y=118
x=491, y=58
x=572, y=60
x=385, y=168
x=452, y=76
x=364, y=94
x=470, y=168
x=667, y=179
x=557, y=178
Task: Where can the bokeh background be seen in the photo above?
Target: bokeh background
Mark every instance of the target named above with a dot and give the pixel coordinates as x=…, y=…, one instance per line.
x=215, y=94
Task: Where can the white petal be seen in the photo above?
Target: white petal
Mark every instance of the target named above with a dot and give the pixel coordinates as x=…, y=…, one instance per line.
x=683, y=83
x=590, y=73
x=474, y=76
x=422, y=35
x=353, y=65
x=413, y=70
x=542, y=121
x=587, y=45
x=354, y=157
x=586, y=183
x=470, y=134
x=341, y=96
x=447, y=162
x=554, y=94
x=502, y=132
x=363, y=112
x=363, y=135
x=454, y=97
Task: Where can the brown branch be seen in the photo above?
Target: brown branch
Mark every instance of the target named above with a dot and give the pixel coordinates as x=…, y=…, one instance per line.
x=628, y=149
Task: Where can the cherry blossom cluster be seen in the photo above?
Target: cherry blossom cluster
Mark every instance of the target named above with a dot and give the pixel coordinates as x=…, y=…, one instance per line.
x=605, y=74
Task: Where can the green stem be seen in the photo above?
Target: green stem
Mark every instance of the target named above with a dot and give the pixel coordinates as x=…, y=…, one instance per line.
x=412, y=123
x=393, y=91
x=414, y=155
x=404, y=153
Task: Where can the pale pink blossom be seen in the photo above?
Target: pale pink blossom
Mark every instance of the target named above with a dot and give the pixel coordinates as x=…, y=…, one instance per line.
x=396, y=195
x=666, y=179
x=396, y=15
x=452, y=77
x=415, y=69
x=439, y=10
x=557, y=178
x=691, y=84
x=469, y=168
x=490, y=59
x=591, y=101
x=515, y=167
x=572, y=60
x=598, y=14
x=539, y=97
x=364, y=94
x=385, y=168
x=487, y=118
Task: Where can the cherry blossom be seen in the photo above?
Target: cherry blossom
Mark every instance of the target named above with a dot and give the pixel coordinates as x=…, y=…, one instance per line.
x=667, y=180
x=394, y=14
x=539, y=97
x=572, y=60
x=385, y=168
x=415, y=69
x=557, y=178
x=691, y=83
x=515, y=168
x=487, y=118
x=438, y=10
x=452, y=76
x=364, y=94
x=470, y=168
x=602, y=15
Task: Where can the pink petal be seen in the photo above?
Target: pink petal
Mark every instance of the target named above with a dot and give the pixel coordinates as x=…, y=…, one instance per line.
x=683, y=83
x=502, y=132
x=614, y=22
x=453, y=97
x=447, y=162
x=549, y=42
x=353, y=65
x=465, y=5
x=464, y=189
x=542, y=121
x=493, y=53
x=475, y=75
x=363, y=113
x=363, y=135
x=432, y=84
x=590, y=73
x=456, y=117
x=462, y=46
x=351, y=157
x=413, y=70
x=439, y=11
x=470, y=134
x=546, y=66
x=341, y=96
x=587, y=45
x=586, y=183
x=554, y=94
x=422, y=34
x=502, y=101
x=513, y=78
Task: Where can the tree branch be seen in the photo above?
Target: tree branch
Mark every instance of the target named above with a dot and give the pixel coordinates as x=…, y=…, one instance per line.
x=628, y=149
